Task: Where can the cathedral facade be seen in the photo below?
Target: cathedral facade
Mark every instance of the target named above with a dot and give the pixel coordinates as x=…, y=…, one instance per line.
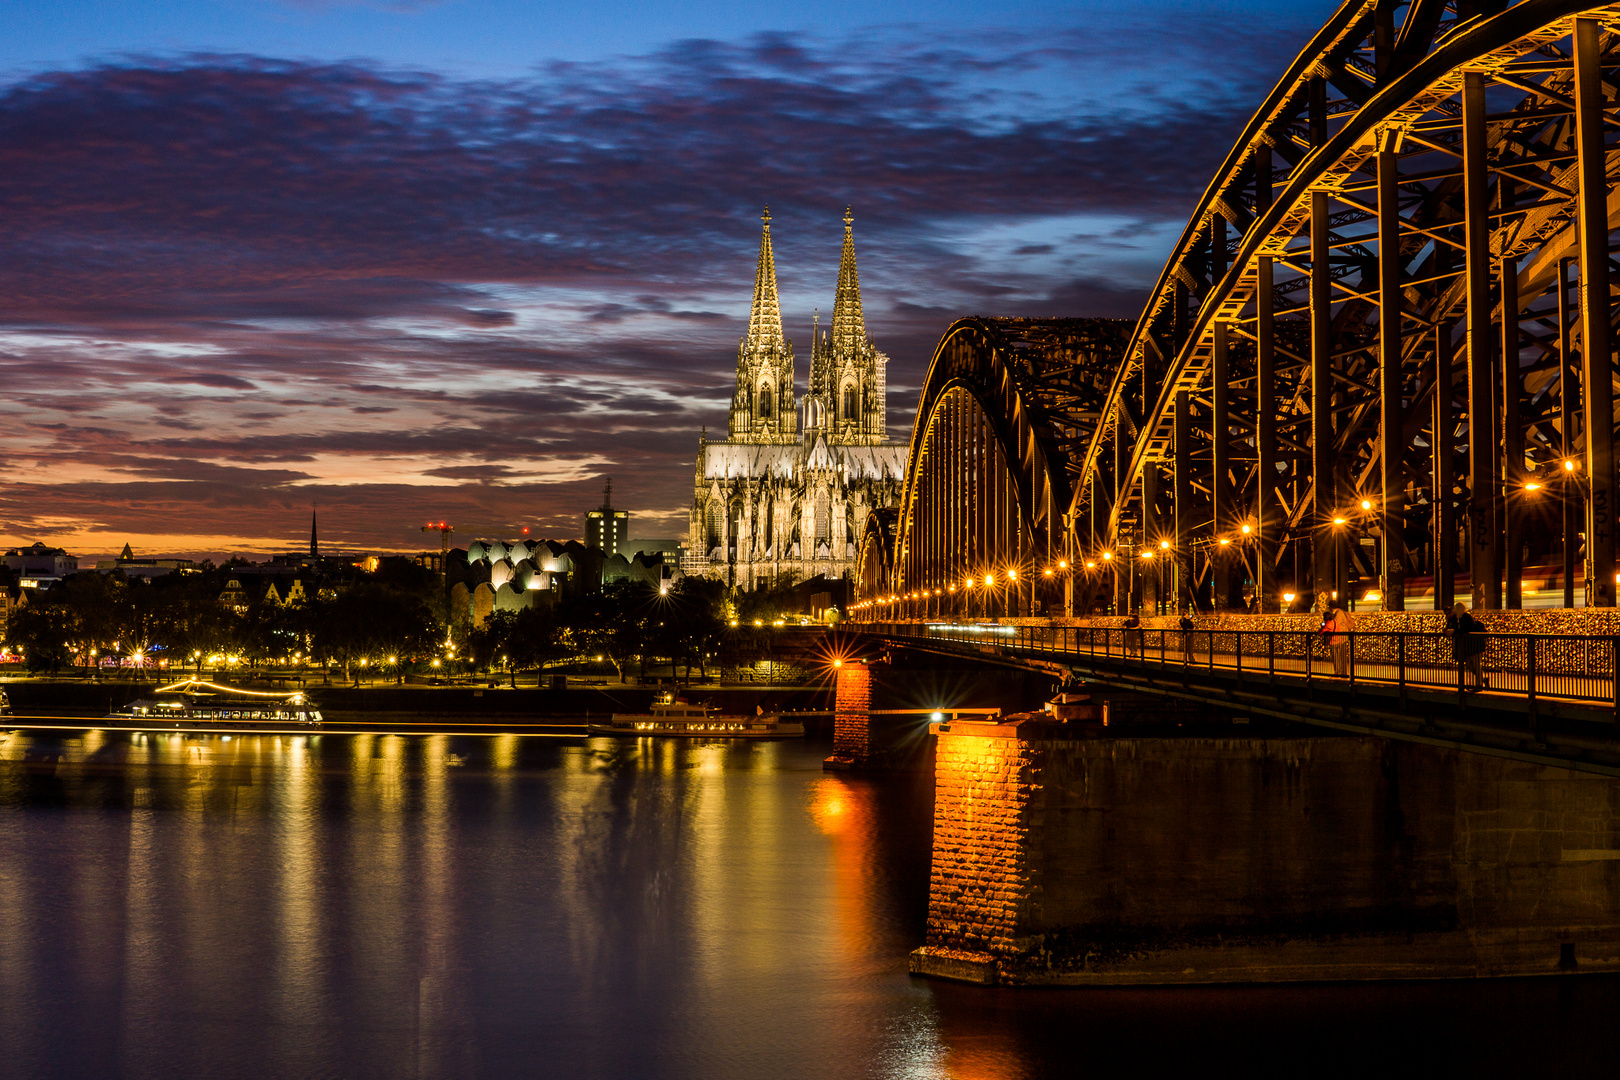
x=789, y=488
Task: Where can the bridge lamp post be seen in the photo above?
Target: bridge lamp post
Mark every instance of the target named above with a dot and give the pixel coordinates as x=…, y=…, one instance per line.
x=989, y=584
x=1338, y=556
x=1012, y=591
x=1164, y=579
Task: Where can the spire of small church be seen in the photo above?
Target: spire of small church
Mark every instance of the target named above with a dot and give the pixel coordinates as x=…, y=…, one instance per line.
x=848, y=325
x=765, y=320
x=127, y=553
x=314, y=541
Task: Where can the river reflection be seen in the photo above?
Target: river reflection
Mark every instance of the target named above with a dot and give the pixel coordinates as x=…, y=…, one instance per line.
x=378, y=906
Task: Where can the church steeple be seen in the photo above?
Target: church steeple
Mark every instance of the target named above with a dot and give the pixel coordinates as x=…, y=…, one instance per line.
x=848, y=324
x=314, y=539
x=848, y=386
x=765, y=320
x=762, y=409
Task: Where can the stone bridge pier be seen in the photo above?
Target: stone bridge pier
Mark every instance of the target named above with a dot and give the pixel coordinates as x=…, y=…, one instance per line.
x=1069, y=853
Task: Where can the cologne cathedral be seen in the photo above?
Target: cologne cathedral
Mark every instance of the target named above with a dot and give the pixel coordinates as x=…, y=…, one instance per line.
x=789, y=489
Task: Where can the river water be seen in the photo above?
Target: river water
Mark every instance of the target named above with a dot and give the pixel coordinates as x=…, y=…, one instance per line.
x=377, y=906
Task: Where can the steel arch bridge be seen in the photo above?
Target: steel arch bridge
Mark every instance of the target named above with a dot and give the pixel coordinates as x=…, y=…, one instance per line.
x=1389, y=320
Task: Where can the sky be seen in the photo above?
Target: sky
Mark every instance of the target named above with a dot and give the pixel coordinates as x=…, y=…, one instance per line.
x=463, y=260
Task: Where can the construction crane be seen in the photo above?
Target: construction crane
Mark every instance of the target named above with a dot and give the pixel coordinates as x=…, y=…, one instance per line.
x=444, y=529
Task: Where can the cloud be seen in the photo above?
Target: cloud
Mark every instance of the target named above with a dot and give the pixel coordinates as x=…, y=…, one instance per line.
x=232, y=283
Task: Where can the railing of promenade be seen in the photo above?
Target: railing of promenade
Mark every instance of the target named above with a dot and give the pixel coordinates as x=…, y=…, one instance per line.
x=1573, y=668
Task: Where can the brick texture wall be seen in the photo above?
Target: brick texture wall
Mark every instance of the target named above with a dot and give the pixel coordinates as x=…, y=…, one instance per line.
x=983, y=882
x=852, y=720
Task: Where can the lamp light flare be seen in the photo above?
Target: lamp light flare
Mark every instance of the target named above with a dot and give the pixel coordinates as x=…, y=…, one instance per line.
x=1366, y=504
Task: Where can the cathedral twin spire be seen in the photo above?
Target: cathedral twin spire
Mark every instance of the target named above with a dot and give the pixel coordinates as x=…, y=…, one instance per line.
x=848, y=326
x=842, y=361
x=765, y=320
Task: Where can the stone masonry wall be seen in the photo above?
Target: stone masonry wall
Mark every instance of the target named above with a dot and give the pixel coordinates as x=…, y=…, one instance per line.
x=852, y=718
x=1059, y=858
x=982, y=885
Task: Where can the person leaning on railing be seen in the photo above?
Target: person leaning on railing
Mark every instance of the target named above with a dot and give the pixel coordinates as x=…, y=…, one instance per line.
x=1187, y=626
x=1467, y=644
x=1336, y=627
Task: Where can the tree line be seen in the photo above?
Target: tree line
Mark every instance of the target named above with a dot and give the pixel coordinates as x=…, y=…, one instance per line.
x=394, y=616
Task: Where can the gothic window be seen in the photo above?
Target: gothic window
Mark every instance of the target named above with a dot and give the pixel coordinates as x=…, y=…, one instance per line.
x=823, y=516
x=714, y=527
x=765, y=399
x=784, y=405
x=748, y=400
x=849, y=403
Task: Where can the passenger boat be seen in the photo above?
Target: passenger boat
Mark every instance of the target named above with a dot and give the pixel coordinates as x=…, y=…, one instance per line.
x=678, y=719
x=193, y=702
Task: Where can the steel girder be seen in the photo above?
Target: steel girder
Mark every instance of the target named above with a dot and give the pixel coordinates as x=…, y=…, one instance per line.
x=1005, y=410
x=1444, y=162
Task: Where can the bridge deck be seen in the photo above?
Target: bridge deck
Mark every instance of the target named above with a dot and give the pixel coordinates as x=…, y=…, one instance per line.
x=1551, y=698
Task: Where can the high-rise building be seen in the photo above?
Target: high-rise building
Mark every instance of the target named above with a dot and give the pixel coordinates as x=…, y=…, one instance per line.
x=789, y=488
x=606, y=529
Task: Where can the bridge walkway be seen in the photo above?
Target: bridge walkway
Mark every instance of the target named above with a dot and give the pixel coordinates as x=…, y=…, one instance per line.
x=1551, y=698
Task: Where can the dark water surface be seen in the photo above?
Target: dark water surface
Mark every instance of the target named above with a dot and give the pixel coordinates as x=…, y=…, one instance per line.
x=376, y=906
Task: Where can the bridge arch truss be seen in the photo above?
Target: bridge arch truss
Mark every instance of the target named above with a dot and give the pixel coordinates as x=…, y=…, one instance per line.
x=1390, y=319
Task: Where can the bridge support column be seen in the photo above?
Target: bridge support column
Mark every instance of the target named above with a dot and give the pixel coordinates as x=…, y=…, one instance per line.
x=1185, y=566
x=1267, y=515
x=852, y=717
x=1510, y=494
x=1326, y=538
x=1483, y=476
x=1061, y=859
x=1592, y=215
x=1391, y=419
x=1442, y=447
x=1228, y=593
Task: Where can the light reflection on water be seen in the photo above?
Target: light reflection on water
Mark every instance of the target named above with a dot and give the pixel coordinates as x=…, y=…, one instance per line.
x=378, y=906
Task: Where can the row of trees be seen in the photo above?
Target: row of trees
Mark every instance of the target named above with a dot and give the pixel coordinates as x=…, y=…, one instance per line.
x=389, y=614
x=90, y=616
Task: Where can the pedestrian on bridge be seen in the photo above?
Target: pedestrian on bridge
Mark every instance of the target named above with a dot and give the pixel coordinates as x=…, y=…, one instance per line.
x=1133, y=634
x=1467, y=645
x=1336, y=627
x=1187, y=627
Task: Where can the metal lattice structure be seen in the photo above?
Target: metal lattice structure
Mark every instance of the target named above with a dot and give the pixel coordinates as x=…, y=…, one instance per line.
x=1391, y=318
x=1007, y=407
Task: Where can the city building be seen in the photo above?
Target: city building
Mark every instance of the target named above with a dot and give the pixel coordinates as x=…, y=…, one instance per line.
x=607, y=529
x=38, y=562
x=144, y=568
x=789, y=488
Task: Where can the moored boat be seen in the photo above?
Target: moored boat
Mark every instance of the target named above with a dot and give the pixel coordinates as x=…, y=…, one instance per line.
x=679, y=719
x=194, y=702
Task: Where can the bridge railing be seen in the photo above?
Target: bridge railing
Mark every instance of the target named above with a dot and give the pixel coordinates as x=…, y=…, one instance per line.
x=1574, y=668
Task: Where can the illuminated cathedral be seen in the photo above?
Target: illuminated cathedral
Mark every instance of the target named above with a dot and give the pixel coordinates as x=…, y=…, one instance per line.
x=789, y=488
